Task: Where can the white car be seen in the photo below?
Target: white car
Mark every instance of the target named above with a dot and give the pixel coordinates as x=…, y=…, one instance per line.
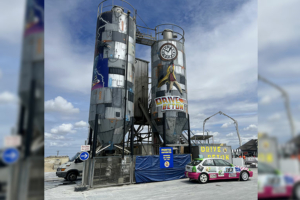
x=205, y=169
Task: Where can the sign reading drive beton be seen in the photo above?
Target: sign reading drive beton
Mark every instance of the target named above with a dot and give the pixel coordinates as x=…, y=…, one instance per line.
x=213, y=151
x=85, y=148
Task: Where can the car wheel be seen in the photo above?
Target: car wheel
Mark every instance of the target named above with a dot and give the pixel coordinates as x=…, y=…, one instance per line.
x=203, y=178
x=72, y=176
x=244, y=176
x=296, y=191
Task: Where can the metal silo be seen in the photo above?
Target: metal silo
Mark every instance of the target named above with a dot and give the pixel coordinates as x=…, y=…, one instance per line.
x=168, y=85
x=113, y=74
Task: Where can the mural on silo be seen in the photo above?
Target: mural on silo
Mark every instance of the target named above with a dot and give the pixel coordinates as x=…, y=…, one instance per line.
x=170, y=79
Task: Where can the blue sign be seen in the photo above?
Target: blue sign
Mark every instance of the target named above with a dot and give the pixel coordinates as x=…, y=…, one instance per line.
x=84, y=156
x=166, y=157
x=10, y=155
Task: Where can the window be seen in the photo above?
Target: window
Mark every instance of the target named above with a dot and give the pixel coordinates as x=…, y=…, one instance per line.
x=195, y=162
x=220, y=162
x=74, y=157
x=209, y=162
x=227, y=163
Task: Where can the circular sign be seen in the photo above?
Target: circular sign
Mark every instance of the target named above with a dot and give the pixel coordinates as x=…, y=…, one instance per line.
x=225, y=150
x=167, y=164
x=10, y=155
x=84, y=156
x=168, y=51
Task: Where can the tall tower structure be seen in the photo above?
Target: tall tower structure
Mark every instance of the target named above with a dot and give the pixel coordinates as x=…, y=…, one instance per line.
x=168, y=85
x=112, y=88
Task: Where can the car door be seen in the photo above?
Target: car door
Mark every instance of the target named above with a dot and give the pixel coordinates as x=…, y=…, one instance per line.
x=223, y=168
x=210, y=168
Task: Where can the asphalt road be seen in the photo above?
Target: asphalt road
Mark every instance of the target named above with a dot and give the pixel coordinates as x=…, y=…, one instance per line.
x=177, y=189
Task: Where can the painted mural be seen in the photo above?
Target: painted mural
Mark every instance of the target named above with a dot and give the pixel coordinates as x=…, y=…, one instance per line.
x=34, y=18
x=100, y=72
x=170, y=78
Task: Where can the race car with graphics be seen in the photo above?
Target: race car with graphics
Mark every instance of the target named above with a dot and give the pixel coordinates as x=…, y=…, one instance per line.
x=273, y=184
x=209, y=169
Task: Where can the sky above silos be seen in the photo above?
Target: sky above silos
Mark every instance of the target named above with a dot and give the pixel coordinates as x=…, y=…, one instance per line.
x=221, y=53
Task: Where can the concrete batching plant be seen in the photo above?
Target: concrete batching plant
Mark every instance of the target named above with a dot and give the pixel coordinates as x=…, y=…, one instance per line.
x=118, y=101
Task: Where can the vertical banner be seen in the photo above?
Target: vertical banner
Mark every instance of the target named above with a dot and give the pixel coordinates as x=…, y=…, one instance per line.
x=166, y=157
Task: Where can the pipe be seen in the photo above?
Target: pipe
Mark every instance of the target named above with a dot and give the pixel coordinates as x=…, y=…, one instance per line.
x=164, y=129
x=125, y=98
x=189, y=135
x=132, y=137
x=30, y=119
x=95, y=135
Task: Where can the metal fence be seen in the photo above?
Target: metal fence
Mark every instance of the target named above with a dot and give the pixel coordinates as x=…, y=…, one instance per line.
x=112, y=170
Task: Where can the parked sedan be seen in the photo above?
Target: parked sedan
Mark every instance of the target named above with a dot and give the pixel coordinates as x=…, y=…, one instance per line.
x=205, y=169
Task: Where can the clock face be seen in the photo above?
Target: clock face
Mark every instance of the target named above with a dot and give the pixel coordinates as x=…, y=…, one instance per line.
x=168, y=52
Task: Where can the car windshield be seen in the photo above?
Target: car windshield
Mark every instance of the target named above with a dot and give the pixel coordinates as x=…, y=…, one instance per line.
x=74, y=157
x=195, y=162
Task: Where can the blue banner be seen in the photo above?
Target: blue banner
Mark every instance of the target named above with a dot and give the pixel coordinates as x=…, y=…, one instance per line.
x=166, y=157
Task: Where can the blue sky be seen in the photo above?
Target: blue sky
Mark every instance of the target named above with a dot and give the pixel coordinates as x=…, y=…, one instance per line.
x=221, y=52
x=278, y=61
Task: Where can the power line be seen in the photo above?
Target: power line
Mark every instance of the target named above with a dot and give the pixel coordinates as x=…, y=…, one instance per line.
x=142, y=20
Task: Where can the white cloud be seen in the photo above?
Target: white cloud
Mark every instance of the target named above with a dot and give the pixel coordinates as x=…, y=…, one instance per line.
x=81, y=124
x=229, y=135
x=250, y=127
x=277, y=22
x=214, y=133
x=226, y=125
x=265, y=100
x=274, y=117
x=54, y=137
x=12, y=19
x=7, y=97
x=224, y=77
x=58, y=144
x=63, y=129
x=72, y=71
x=59, y=104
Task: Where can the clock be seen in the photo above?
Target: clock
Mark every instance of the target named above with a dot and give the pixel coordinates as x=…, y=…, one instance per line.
x=168, y=51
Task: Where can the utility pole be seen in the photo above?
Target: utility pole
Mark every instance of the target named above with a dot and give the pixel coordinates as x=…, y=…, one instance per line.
x=57, y=152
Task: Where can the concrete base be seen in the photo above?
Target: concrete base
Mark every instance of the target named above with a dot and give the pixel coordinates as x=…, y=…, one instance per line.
x=80, y=188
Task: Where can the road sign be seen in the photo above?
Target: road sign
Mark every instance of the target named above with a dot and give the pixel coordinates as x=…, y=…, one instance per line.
x=12, y=141
x=166, y=157
x=10, y=155
x=85, y=148
x=84, y=156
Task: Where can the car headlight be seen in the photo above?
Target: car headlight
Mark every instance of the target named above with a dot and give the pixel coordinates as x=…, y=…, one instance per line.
x=62, y=169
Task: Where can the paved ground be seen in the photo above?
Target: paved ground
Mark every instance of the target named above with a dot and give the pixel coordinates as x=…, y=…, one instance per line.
x=178, y=189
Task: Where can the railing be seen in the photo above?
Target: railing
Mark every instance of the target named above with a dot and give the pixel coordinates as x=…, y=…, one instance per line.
x=175, y=29
x=107, y=5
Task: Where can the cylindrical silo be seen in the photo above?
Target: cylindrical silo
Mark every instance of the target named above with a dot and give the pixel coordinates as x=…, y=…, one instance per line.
x=168, y=89
x=115, y=37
